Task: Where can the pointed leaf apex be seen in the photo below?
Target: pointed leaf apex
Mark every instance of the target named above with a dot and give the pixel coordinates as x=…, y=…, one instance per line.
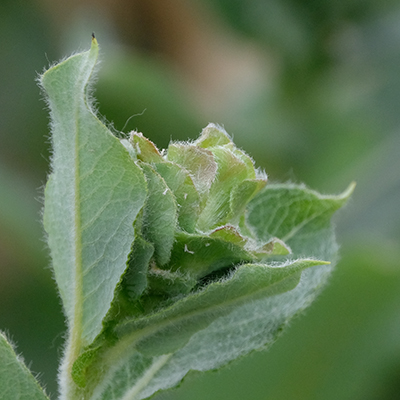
x=213, y=135
x=348, y=191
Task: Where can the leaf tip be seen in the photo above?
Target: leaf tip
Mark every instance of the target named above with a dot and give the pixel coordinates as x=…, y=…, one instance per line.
x=350, y=189
x=94, y=41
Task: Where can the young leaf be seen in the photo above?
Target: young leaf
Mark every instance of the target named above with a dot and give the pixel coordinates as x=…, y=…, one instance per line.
x=211, y=136
x=16, y=381
x=198, y=161
x=217, y=264
x=298, y=216
x=200, y=255
x=187, y=197
x=145, y=149
x=135, y=278
x=159, y=215
x=159, y=350
x=241, y=195
x=231, y=171
x=92, y=198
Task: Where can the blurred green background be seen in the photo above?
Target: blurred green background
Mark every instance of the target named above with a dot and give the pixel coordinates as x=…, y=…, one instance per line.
x=311, y=89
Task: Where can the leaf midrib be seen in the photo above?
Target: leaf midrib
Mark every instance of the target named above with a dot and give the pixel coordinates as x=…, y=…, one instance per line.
x=76, y=331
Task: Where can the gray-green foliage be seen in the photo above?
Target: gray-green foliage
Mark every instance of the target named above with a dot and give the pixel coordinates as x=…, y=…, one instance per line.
x=169, y=261
x=16, y=381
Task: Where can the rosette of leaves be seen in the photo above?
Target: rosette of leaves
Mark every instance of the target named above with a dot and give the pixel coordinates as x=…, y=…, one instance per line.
x=168, y=261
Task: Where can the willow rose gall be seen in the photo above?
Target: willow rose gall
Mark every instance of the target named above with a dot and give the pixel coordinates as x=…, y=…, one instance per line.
x=166, y=261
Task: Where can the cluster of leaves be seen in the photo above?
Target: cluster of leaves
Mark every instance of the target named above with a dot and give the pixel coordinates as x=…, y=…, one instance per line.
x=168, y=261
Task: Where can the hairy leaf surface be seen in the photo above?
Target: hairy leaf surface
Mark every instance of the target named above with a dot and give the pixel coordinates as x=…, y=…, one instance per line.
x=16, y=381
x=163, y=342
x=298, y=216
x=169, y=262
x=91, y=199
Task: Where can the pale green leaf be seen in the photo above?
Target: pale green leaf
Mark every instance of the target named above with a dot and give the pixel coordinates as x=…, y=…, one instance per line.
x=159, y=215
x=16, y=381
x=92, y=198
x=145, y=149
x=298, y=216
x=241, y=195
x=229, y=234
x=158, y=350
x=198, y=161
x=187, y=197
x=275, y=247
x=231, y=172
x=196, y=227
x=135, y=278
x=163, y=282
x=207, y=329
x=199, y=255
x=213, y=135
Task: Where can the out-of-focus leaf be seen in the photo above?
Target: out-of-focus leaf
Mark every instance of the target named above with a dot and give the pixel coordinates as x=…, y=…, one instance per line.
x=16, y=381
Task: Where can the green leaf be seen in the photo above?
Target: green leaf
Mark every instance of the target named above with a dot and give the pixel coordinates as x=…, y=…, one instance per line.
x=199, y=332
x=92, y=198
x=160, y=349
x=199, y=255
x=241, y=195
x=298, y=216
x=230, y=234
x=162, y=261
x=159, y=215
x=197, y=161
x=187, y=197
x=16, y=381
x=145, y=149
x=211, y=136
x=174, y=326
x=163, y=282
x=135, y=278
x=274, y=247
x=231, y=172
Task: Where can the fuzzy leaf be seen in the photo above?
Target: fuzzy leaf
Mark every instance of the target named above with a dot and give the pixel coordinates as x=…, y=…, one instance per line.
x=159, y=215
x=135, y=278
x=241, y=195
x=16, y=381
x=91, y=199
x=188, y=335
x=187, y=197
x=199, y=255
x=197, y=228
x=198, y=161
x=211, y=136
x=169, y=283
x=158, y=350
x=231, y=172
x=145, y=149
x=298, y=216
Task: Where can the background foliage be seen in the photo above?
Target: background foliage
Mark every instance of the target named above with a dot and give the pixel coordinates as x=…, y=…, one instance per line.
x=310, y=89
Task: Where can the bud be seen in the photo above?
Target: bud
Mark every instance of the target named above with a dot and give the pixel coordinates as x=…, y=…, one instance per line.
x=192, y=229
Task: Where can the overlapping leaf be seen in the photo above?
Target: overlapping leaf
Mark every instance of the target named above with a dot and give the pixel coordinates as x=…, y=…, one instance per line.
x=199, y=260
